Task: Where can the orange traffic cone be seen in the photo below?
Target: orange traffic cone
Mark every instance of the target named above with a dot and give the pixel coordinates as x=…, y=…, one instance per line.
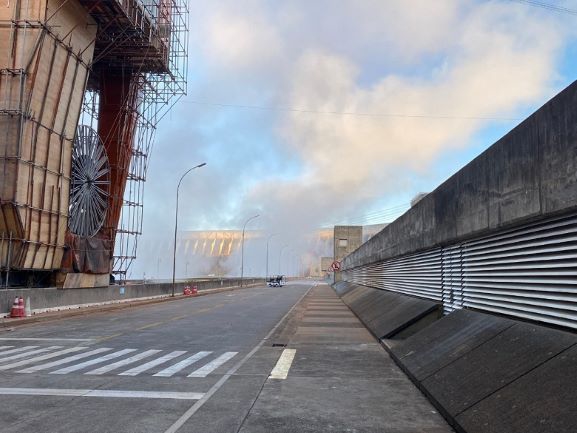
x=21, y=310
x=14, y=312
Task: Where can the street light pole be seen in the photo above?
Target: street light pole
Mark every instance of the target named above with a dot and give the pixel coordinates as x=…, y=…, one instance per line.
x=176, y=225
x=280, y=256
x=242, y=248
x=267, y=241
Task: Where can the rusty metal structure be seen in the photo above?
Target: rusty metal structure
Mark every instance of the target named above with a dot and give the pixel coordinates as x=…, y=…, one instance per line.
x=83, y=85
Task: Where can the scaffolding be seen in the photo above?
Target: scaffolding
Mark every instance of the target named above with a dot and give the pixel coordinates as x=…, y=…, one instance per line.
x=45, y=55
x=99, y=74
x=145, y=42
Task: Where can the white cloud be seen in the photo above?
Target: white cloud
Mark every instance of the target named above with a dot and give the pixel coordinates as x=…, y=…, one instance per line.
x=448, y=57
x=501, y=59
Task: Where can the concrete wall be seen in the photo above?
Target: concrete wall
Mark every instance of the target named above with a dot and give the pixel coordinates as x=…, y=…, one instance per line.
x=351, y=235
x=528, y=174
x=484, y=373
x=48, y=299
x=488, y=374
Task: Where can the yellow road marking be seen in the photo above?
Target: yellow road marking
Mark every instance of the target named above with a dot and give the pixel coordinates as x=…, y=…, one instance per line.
x=109, y=337
x=151, y=325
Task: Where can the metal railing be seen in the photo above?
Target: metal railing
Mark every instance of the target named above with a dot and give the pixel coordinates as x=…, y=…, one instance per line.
x=529, y=271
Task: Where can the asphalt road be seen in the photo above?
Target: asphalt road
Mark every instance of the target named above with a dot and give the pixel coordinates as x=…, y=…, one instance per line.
x=290, y=359
x=156, y=368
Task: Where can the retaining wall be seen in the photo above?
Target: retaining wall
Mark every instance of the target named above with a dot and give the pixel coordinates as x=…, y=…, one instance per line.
x=51, y=299
x=486, y=373
x=527, y=175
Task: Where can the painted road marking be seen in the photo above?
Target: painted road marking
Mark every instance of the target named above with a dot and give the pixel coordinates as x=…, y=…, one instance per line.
x=151, y=325
x=46, y=339
x=283, y=364
x=213, y=365
x=115, y=365
x=41, y=358
x=59, y=355
x=145, y=367
x=20, y=349
x=31, y=352
x=93, y=361
x=111, y=393
x=167, y=372
x=196, y=406
x=5, y=347
x=64, y=360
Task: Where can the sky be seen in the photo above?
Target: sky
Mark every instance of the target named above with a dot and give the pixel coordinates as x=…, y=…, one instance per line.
x=316, y=113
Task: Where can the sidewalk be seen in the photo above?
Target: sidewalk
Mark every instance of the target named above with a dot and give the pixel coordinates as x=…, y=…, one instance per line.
x=341, y=379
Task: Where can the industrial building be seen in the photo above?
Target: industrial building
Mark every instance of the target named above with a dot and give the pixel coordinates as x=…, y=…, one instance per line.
x=83, y=85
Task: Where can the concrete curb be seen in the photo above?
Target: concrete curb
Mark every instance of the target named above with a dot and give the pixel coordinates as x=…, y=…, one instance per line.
x=7, y=323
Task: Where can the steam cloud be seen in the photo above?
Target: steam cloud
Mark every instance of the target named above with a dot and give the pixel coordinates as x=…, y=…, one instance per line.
x=302, y=170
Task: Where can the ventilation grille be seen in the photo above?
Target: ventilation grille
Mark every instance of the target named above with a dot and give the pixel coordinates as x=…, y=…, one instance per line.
x=528, y=272
x=417, y=275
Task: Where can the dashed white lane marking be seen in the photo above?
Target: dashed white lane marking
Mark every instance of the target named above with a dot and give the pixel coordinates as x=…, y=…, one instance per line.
x=19, y=349
x=102, y=393
x=145, y=367
x=213, y=365
x=45, y=339
x=167, y=372
x=31, y=352
x=93, y=361
x=283, y=364
x=196, y=406
x=41, y=358
x=115, y=365
x=64, y=360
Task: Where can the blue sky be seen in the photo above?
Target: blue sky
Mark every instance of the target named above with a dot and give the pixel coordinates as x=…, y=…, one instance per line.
x=285, y=70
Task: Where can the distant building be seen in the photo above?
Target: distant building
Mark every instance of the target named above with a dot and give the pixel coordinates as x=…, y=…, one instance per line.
x=371, y=230
x=418, y=198
x=346, y=240
x=326, y=263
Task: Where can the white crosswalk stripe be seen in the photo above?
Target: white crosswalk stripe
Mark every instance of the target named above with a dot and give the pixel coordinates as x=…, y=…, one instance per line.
x=5, y=347
x=17, y=350
x=40, y=358
x=93, y=361
x=118, y=364
x=66, y=360
x=213, y=365
x=168, y=372
x=31, y=352
x=158, y=361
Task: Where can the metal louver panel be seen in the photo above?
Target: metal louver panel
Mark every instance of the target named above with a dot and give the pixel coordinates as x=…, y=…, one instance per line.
x=452, y=278
x=417, y=275
x=528, y=272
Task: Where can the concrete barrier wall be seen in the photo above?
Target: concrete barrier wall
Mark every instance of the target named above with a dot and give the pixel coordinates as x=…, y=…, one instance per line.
x=529, y=174
x=488, y=374
x=484, y=373
x=48, y=299
x=387, y=314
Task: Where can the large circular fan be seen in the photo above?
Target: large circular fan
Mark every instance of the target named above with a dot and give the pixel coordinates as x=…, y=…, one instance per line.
x=89, y=184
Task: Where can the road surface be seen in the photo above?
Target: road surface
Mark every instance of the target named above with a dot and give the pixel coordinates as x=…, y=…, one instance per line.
x=261, y=359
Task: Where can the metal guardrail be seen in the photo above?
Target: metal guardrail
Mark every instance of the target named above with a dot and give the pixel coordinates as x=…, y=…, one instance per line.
x=529, y=271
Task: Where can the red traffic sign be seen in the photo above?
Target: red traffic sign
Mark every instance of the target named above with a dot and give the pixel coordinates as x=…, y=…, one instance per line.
x=336, y=265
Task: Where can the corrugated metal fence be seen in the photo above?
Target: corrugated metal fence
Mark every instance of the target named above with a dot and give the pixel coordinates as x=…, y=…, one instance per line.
x=529, y=271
